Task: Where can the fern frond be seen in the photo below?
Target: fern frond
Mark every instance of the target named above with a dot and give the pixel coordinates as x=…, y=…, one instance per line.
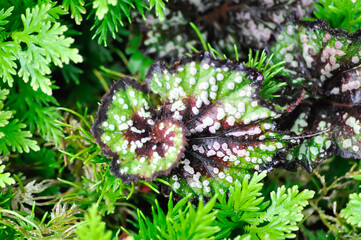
x=92, y=227
x=4, y=115
x=340, y=14
x=182, y=221
x=76, y=8
x=46, y=43
x=282, y=216
x=159, y=7
x=15, y=138
x=244, y=209
x=5, y=178
x=37, y=111
x=352, y=213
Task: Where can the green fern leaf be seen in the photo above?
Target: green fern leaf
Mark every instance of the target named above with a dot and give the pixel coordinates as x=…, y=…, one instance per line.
x=4, y=115
x=92, y=227
x=109, y=16
x=340, y=14
x=5, y=178
x=181, y=221
x=7, y=62
x=159, y=7
x=37, y=111
x=111, y=22
x=102, y=7
x=243, y=209
x=282, y=216
x=76, y=8
x=16, y=139
x=352, y=213
x=3, y=16
x=46, y=43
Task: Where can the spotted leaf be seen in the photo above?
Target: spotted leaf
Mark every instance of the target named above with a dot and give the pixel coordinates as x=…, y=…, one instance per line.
x=215, y=162
x=336, y=129
x=323, y=59
x=326, y=62
x=348, y=136
x=210, y=128
x=312, y=121
x=230, y=132
x=345, y=88
x=210, y=95
x=142, y=146
x=249, y=24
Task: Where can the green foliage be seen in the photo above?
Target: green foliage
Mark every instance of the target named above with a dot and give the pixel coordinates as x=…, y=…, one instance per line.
x=109, y=15
x=181, y=221
x=352, y=213
x=92, y=228
x=159, y=7
x=76, y=8
x=246, y=212
x=36, y=110
x=4, y=115
x=137, y=63
x=240, y=213
x=282, y=216
x=12, y=134
x=43, y=43
x=344, y=14
x=264, y=64
x=55, y=182
x=5, y=177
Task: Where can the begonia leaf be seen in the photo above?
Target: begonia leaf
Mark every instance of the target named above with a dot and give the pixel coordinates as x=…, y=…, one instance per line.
x=249, y=24
x=325, y=60
x=348, y=136
x=310, y=121
x=141, y=145
x=337, y=132
x=219, y=128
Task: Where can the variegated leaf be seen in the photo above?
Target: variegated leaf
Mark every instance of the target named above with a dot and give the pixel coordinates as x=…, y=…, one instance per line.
x=319, y=145
x=249, y=24
x=325, y=60
x=142, y=145
x=337, y=132
x=348, y=136
x=230, y=133
x=210, y=119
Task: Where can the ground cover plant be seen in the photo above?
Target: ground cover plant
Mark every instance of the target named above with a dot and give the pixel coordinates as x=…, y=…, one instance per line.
x=154, y=119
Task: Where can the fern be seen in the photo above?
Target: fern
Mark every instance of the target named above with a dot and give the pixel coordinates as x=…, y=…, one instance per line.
x=352, y=213
x=92, y=227
x=12, y=134
x=76, y=8
x=37, y=111
x=159, y=7
x=45, y=43
x=110, y=21
x=16, y=138
x=247, y=214
x=5, y=178
x=282, y=216
x=109, y=15
x=4, y=115
x=181, y=221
